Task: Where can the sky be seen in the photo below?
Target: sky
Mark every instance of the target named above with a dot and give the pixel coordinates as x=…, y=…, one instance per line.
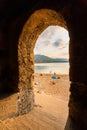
x=53, y=42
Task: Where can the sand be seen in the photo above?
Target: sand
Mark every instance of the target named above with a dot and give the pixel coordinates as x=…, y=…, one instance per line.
x=56, y=87
x=51, y=105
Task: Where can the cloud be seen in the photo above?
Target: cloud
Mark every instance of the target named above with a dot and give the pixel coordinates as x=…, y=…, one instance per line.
x=58, y=43
x=53, y=39
x=41, y=44
x=50, y=31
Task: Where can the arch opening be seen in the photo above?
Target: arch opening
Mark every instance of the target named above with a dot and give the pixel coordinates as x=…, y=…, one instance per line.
x=51, y=63
x=52, y=46
x=37, y=23
x=22, y=41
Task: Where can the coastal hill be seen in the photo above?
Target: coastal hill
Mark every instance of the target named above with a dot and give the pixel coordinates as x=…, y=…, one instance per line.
x=45, y=59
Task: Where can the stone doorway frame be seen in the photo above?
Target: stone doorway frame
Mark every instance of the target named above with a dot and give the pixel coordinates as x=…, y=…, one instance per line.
x=36, y=24
x=32, y=27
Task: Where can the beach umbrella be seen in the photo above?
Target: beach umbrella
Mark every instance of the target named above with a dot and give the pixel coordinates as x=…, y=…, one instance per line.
x=54, y=77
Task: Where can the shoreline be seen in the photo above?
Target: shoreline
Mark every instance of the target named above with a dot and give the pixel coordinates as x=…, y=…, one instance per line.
x=50, y=74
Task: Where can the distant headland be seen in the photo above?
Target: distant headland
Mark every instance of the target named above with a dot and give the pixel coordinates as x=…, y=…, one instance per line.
x=45, y=59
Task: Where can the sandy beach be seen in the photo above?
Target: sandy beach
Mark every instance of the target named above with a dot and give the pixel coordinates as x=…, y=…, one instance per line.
x=44, y=83
x=51, y=105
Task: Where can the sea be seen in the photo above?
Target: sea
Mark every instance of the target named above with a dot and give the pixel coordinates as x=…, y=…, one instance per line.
x=58, y=68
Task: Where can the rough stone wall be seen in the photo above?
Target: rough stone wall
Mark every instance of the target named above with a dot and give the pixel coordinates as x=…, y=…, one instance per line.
x=37, y=22
x=78, y=65
x=22, y=37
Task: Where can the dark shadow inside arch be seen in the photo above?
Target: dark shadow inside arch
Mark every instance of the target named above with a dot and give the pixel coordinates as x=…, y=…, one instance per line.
x=9, y=71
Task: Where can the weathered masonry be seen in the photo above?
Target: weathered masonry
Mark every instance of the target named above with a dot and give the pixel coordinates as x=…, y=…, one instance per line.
x=21, y=22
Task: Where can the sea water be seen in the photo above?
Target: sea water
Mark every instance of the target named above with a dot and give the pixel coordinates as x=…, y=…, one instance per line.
x=59, y=68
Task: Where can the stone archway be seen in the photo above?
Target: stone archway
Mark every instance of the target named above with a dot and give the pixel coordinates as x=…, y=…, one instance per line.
x=37, y=23
x=11, y=26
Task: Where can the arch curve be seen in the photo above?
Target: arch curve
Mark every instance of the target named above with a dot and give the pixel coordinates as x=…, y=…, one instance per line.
x=34, y=26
